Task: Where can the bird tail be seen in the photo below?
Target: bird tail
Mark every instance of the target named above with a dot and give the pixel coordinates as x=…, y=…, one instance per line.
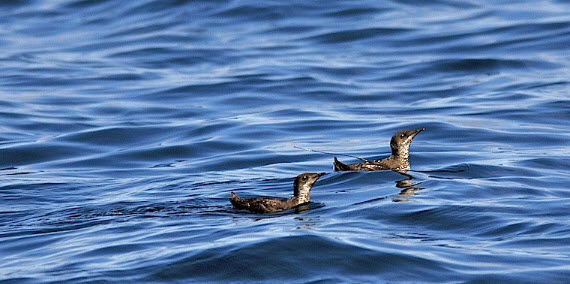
x=338, y=166
x=234, y=197
x=236, y=201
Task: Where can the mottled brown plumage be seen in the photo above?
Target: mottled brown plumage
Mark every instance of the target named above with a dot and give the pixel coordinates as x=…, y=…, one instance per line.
x=398, y=160
x=301, y=194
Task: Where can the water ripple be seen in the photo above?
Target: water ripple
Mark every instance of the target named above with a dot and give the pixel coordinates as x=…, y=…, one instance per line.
x=124, y=128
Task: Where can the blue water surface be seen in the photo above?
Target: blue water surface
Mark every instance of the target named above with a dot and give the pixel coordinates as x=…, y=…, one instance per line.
x=125, y=125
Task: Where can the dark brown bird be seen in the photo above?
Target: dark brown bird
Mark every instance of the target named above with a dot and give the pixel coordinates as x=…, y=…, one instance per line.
x=301, y=194
x=398, y=160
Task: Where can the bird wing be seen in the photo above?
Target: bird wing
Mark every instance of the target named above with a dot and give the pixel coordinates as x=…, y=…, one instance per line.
x=260, y=204
x=366, y=166
x=266, y=205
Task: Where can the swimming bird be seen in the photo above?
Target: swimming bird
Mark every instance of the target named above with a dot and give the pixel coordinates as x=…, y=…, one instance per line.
x=301, y=194
x=398, y=160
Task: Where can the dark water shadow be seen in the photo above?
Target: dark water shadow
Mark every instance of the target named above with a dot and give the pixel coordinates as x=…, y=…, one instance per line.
x=407, y=188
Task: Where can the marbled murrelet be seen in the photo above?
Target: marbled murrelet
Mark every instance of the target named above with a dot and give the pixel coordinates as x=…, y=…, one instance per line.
x=398, y=160
x=301, y=194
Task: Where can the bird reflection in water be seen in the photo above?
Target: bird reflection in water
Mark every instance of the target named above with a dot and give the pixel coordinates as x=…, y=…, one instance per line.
x=408, y=187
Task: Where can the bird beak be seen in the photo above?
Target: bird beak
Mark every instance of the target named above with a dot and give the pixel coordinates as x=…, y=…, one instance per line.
x=417, y=131
x=321, y=174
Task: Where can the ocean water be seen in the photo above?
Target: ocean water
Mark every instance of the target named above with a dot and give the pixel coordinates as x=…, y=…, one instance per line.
x=125, y=125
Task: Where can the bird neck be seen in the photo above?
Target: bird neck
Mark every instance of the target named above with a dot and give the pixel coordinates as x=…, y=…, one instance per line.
x=401, y=153
x=302, y=197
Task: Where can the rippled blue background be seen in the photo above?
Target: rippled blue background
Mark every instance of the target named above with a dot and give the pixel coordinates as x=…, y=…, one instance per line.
x=124, y=125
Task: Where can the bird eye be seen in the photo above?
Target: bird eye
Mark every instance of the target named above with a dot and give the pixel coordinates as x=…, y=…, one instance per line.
x=402, y=135
x=304, y=177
